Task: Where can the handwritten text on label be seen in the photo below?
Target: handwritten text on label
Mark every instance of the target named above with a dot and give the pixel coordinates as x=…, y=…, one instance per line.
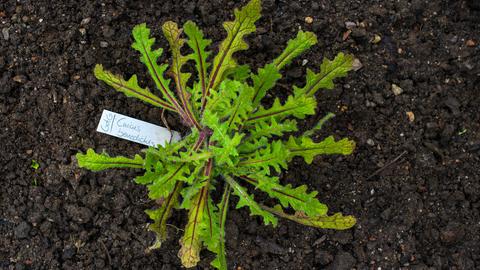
x=135, y=130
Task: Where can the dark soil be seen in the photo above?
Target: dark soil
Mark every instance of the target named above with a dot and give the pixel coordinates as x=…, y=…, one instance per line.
x=419, y=212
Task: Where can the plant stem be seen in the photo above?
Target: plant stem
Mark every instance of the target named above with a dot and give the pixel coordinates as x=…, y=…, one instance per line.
x=223, y=208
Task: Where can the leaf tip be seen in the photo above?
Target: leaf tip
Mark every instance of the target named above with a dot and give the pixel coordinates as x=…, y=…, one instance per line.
x=98, y=71
x=310, y=37
x=79, y=156
x=140, y=28
x=348, y=147
x=344, y=222
x=188, y=255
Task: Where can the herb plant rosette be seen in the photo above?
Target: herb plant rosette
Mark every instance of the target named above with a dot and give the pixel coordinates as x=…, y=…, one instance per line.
x=235, y=144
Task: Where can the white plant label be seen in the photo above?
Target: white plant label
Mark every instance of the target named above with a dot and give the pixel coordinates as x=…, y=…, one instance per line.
x=124, y=127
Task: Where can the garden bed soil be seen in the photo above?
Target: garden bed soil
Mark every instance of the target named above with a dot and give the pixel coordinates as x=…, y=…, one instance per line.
x=420, y=211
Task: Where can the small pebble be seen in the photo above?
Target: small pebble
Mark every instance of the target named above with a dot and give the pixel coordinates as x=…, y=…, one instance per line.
x=396, y=89
x=370, y=104
x=103, y=44
x=470, y=43
x=40, y=20
x=304, y=62
x=85, y=21
x=309, y=20
x=370, y=142
x=376, y=39
x=350, y=25
x=356, y=64
x=5, y=33
x=82, y=31
x=411, y=116
x=19, y=78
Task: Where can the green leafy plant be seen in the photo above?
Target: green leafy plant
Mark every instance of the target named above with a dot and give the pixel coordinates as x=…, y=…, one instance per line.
x=236, y=145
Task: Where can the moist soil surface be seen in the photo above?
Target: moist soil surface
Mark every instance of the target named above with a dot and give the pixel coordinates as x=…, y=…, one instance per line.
x=413, y=181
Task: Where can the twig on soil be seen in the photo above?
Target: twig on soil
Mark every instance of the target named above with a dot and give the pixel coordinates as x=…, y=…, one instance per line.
x=387, y=165
x=106, y=252
x=166, y=125
x=175, y=227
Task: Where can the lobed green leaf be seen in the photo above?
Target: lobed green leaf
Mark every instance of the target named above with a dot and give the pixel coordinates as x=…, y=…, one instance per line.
x=243, y=25
x=252, y=145
x=273, y=155
x=302, y=42
x=270, y=74
x=271, y=127
x=191, y=242
x=198, y=44
x=245, y=199
x=306, y=148
x=239, y=73
x=265, y=80
x=161, y=184
x=240, y=107
x=98, y=162
x=172, y=33
x=329, y=70
x=130, y=88
x=143, y=44
x=337, y=221
x=298, y=198
x=298, y=107
x=161, y=215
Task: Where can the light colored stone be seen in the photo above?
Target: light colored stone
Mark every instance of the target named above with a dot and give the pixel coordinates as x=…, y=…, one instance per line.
x=5, y=33
x=85, y=21
x=376, y=39
x=396, y=89
x=350, y=25
x=356, y=64
x=411, y=116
